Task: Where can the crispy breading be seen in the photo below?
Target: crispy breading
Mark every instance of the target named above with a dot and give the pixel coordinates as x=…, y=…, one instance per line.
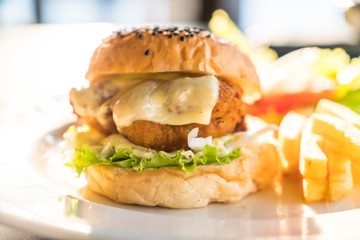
x=227, y=116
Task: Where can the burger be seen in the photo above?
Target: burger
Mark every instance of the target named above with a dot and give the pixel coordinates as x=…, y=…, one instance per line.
x=163, y=121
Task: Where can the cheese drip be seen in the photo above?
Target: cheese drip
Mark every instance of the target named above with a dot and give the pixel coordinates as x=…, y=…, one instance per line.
x=175, y=102
x=87, y=101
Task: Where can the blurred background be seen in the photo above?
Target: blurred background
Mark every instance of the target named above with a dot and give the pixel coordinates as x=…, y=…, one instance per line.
x=46, y=46
x=280, y=23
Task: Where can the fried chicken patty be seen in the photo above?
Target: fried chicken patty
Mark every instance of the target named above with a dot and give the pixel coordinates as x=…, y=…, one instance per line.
x=227, y=116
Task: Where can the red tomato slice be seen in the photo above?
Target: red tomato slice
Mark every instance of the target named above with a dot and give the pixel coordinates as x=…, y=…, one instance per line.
x=286, y=102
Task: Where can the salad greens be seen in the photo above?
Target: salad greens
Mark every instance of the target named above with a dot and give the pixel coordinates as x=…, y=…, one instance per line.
x=86, y=156
x=330, y=62
x=336, y=64
x=352, y=100
x=348, y=85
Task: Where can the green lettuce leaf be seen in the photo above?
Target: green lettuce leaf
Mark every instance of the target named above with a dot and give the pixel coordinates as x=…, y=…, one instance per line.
x=87, y=156
x=348, y=89
x=83, y=158
x=331, y=62
x=351, y=100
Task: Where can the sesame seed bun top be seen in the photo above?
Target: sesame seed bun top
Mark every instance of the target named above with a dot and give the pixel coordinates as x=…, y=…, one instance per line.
x=174, y=49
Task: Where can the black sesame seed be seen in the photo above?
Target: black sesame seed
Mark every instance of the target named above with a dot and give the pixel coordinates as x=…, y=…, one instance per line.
x=156, y=28
x=122, y=36
x=176, y=33
x=181, y=30
x=209, y=35
x=160, y=32
x=153, y=33
x=147, y=52
x=140, y=36
x=182, y=38
x=170, y=36
x=191, y=35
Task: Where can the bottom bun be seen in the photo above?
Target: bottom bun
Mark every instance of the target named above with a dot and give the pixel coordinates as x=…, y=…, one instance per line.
x=171, y=187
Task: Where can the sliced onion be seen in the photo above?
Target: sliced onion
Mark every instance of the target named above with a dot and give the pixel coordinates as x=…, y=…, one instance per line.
x=257, y=134
x=240, y=139
x=188, y=154
x=192, y=134
x=197, y=143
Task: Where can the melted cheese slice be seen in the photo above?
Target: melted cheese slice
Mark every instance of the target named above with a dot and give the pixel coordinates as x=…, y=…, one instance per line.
x=173, y=102
x=87, y=101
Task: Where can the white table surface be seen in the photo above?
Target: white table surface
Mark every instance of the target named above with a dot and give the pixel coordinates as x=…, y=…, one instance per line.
x=39, y=63
x=14, y=234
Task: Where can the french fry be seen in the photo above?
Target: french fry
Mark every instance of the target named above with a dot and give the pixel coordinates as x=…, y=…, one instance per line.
x=314, y=189
x=339, y=173
x=340, y=184
x=338, y=110
x=330, y=152
x=313, y=165
x=313, y=161
x=355, y=170
x=340, y=133
x=289, y=141
x=83, y=135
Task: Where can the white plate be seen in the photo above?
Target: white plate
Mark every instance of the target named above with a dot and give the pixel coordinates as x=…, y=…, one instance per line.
x=39, y=194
